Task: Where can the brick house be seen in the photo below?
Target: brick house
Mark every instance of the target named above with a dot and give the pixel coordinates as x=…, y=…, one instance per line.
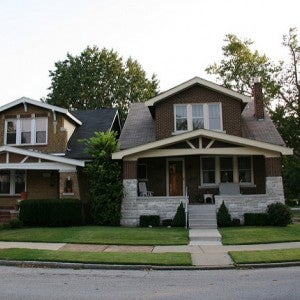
x=200, y=143
x=40, y=156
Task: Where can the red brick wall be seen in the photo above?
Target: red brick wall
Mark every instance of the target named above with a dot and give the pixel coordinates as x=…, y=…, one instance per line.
x=164, y=112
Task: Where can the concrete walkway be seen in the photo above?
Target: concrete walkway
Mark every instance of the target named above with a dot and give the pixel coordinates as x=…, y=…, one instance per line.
x=202, y=255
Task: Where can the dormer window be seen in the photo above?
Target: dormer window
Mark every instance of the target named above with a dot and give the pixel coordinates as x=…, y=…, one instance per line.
x=196, y=116
x=26, y=131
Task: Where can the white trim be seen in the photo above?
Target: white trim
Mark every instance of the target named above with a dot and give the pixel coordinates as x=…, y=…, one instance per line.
x=39, y=166
x=167, y=174
x=53, y=108
x=32, y=153
x=262, y=146
x=202, y=82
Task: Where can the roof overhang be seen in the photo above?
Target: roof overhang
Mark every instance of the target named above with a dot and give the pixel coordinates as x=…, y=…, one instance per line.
x=247, y=147
x=202, y=82
x=53, y=108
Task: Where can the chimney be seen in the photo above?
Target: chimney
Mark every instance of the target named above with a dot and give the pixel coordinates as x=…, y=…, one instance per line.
x=258, y=100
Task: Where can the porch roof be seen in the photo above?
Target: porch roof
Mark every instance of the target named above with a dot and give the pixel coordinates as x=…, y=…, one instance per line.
x=246, y=146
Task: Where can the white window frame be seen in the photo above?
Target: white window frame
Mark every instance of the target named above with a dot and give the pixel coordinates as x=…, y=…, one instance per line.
x=205, y=115
x=19, y=128
x=235, y=172
x=12, y=182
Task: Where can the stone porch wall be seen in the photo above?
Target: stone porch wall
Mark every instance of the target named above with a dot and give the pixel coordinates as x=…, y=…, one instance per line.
x=133, y=206
x=240, y=204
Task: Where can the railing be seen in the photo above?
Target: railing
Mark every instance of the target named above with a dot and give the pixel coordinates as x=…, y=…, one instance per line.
x=186, y=206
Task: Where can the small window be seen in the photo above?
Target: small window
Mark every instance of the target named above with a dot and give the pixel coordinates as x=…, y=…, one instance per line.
x=181, y=118
x=226, y=169
x=245, y=169
x=4, y=182
x=11, y=132
x=26, y=131
x=214, y=116
x=12, y=182
x=41, y=130
x=198, y=116
x=208, y=170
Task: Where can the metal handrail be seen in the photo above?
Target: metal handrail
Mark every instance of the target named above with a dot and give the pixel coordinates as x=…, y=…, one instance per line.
x=186, y=206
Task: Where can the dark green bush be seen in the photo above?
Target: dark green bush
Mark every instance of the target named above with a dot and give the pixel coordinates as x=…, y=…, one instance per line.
x=51, y=212
x=256, y=219
x=223, y=216
x=179, y=218
x=151, y=220
x=166, y=222
x=236, y=222
x=279, y=214
x=16, y=223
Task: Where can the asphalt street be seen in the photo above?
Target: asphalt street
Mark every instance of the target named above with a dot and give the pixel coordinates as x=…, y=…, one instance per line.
x=38, y=283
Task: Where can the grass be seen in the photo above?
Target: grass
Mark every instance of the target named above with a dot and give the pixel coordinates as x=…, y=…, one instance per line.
x=162, y=259
x=265, y=256
x=98, y=235
x=260, y=235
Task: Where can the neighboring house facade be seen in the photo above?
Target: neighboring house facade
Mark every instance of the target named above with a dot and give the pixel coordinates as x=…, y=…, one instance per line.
x=194, y=139
x=40, y=156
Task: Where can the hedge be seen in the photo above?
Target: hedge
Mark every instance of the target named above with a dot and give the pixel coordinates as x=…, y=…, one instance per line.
x=256, y=219
x=51, y=212
x=151, y=220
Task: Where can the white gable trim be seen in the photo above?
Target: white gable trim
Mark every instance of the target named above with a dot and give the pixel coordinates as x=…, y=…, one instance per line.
x=53, y=108
x=207, y=134
x=200, y=81
x=36, y=154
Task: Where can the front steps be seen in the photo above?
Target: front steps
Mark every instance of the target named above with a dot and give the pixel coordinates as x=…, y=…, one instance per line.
x=203, y=225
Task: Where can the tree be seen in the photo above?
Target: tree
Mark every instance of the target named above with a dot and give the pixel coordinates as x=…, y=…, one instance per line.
x=99, y=79
x=106, y=187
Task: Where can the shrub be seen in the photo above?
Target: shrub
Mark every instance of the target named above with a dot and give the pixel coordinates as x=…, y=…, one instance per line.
x=166, y=222
x=279, y=214
x=51, y=212
x=151, y=220
x=223, y=216
x=179, y=218
x=16, y=223
x=256, y=219
x=235, y=222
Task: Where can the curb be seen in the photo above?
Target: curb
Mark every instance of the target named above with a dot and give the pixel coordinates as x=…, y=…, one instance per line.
x=78, y=266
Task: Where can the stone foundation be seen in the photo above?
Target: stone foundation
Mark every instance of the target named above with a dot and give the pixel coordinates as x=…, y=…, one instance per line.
x=238, y=205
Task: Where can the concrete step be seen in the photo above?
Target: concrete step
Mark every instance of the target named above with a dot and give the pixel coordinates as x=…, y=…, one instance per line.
x=204, y=237
x=202, y=222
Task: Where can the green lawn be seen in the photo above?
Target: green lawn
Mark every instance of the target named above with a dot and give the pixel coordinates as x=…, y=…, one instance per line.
x=98, y=235
x=260, y=235
x=266, y=256
x=162, y=259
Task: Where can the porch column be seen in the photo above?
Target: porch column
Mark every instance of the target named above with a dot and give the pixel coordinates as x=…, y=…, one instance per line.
x=68, y=184
x=274, y=186
x=129, y=210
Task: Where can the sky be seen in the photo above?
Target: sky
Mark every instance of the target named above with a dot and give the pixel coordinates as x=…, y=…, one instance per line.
x=175, y=39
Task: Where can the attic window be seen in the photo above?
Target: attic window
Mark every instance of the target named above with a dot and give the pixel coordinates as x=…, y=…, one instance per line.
x=26, y=131
x=196, y=116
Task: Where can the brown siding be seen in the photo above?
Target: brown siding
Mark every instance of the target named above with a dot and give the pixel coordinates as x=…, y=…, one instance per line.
x=164, y=114
x=273, y=166
x=57, y=142
x=129, y=169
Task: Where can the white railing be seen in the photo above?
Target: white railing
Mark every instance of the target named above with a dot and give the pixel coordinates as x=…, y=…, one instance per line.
x=186, y=206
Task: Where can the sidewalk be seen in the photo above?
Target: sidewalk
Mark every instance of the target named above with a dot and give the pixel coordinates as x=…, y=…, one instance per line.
x=202, y=255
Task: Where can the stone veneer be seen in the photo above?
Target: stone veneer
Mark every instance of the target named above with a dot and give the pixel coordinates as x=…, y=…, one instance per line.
x=240, y=204
x=133, y=206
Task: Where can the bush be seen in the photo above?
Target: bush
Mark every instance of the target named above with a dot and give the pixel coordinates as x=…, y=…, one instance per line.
x=256, y=219
x=166, y=222
x=236, y=222
x=51, y=212
x=151, y=220
x=16, y=223
x=179, y=218
x=279, y=214
x=223, y=216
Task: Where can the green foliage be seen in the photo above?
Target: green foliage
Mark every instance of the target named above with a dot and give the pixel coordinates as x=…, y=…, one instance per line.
x=179, y=218
x=16, y=223
x=106, y=186
x=51, y=212
x=235, y=222
x=256, y=219
x=279, y=214
x=291, y=179
x=151, y=220
x=223, y=216
x=99, y=79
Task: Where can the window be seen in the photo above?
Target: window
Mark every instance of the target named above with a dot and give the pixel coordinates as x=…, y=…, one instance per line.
x=226, y=169
x=208, y=170
x=12, y=182
x=197, y=116
x=26, y=131
x=244, y=166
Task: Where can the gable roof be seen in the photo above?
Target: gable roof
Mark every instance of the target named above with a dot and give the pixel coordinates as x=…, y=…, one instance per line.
x=92, y=121
x=199, y=81
x=25, y=100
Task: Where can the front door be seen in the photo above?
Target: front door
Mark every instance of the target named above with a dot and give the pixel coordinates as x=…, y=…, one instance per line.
x=176, y=178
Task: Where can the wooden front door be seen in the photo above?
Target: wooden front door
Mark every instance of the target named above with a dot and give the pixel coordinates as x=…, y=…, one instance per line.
x=175, y=182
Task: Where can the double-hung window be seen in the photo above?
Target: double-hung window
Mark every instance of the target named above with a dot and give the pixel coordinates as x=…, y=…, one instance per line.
x=12, y=182
x=26, y=131
x=196, y=116
x=245, y=167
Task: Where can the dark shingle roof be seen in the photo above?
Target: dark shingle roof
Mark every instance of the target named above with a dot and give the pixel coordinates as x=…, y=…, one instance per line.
x=139, y=127
x=259, y=130
x=92, y=121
